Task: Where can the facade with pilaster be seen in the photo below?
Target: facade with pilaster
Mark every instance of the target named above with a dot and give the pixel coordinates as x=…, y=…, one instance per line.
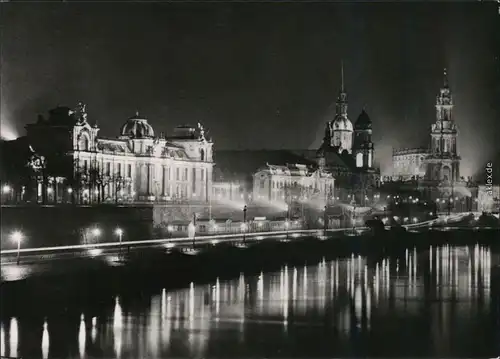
x=69, y=162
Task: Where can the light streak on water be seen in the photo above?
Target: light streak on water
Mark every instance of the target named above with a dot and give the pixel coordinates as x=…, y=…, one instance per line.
x=82, y=337
x=45, y=341
x=2, y=341
x=14, y=338
x=117, y=328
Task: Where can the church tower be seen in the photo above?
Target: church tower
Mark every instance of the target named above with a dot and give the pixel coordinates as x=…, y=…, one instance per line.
x=444, y=161
x=340, y=130
x=363, y=145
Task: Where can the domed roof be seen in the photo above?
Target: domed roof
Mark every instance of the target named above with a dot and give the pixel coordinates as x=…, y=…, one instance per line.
x=363, y=122
x=137, y=127
x=342, y=123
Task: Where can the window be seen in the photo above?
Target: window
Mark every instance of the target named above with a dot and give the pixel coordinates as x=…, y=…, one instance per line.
x=83, y=142
x=370, y=159
x=108, y=168
x=177, y=175
x=359, y=160
x=262, y=184
x=119, y=170
x=202, y=174
x=185, y=177
x=129, y=171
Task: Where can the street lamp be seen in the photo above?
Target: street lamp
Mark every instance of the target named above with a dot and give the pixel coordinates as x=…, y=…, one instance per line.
x=325, y=221
x=17, y=237
x=244, y=223
x=119, y=233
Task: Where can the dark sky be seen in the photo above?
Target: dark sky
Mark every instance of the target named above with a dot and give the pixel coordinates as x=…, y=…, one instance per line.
x=258, y=75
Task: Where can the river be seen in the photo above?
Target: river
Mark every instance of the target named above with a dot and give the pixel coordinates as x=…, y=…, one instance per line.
x=439, y=302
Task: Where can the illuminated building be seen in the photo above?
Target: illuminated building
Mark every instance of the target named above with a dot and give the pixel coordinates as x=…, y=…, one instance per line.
x=70, y=162
x=441, y=162
x=292, y=182
x=347, y=152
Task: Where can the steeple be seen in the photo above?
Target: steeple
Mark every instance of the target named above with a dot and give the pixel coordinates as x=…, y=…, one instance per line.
x=445, y=78
x=341, y=108
x=342, y=74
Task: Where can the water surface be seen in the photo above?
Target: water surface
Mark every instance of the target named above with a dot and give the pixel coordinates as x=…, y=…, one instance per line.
x=442, y=302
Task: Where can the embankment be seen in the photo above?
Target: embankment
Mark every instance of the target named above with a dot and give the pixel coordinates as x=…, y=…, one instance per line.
x=47, y=226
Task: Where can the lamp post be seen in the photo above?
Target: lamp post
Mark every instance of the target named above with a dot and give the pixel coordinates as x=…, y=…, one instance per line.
x=18, y=237
x=325, y=221
x=244, y=223
x=119, y=233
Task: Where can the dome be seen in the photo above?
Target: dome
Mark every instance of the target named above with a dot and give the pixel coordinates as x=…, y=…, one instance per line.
x=342, y=124
x=363, y=122
x=137, y=127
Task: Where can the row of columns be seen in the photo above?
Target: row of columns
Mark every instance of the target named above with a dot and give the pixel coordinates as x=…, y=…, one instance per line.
x=148, y=189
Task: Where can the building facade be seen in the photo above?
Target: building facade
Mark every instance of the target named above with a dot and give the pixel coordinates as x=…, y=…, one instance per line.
x=291, y=183
x=71, y=163
x=440, y=162
x=409, y=163
x=347, y=153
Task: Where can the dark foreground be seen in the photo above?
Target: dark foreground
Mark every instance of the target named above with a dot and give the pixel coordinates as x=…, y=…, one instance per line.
x=330, y=299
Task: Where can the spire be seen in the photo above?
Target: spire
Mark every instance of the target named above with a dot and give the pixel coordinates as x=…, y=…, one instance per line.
x=137, y=113
x=342, y=75
x=445, y=78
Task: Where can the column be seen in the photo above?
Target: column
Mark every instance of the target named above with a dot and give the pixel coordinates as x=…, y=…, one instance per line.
x=164, y=181
x=149, y=169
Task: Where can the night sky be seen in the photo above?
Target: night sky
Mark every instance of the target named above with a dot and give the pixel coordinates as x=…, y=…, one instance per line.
x=258, y=75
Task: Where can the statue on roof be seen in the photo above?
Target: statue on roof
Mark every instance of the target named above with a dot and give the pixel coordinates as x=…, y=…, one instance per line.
x=80, y=113
x=201, y=130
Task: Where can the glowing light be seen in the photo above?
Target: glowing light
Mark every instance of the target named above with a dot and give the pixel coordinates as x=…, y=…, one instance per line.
x=14, y=338
x=170, y=228
x=118, y=231
x=96, y=191
x=214, y=242
x=17, y=237
x=117, y=326
x=170, y=245
x=45, y=341
x=49, y=190
x=96, y=232
x=6, y=189
x=70, y=190
x=2, y=341
x=82, y=337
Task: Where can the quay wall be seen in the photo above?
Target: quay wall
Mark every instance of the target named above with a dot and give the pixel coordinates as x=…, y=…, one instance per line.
x=58, y=225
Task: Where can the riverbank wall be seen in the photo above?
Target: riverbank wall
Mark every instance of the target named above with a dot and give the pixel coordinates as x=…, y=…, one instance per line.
x=59, y=225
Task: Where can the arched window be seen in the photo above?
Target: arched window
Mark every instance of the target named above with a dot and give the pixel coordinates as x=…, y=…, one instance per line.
x=83, y=142
x=359, y=160
x=370, y=159
x=202, y=154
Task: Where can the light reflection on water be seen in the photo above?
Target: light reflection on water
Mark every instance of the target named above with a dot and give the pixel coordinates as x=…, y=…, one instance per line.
x=354, y=296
